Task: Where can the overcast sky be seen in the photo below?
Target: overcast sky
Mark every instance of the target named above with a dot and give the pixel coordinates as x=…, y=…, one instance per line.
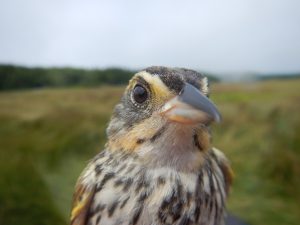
x=214, y=36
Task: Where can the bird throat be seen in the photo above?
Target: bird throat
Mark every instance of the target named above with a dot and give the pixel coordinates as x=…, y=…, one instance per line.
x=165, y=144
x=176, y=147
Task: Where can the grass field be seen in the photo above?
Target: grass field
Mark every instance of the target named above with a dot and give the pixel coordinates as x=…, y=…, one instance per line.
x=48, y=135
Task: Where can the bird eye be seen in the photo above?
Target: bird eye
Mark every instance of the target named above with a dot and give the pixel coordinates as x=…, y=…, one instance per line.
x=139, y=94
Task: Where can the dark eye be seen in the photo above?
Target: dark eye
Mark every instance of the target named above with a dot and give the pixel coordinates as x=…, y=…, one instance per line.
x=139, y=94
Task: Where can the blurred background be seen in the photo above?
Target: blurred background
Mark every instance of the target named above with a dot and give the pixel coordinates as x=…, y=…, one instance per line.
x=64, y=65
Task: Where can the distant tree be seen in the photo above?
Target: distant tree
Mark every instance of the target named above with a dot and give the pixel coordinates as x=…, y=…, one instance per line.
x=18, y=77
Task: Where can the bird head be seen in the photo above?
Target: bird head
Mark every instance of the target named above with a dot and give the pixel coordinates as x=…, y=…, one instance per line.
x=164, y=116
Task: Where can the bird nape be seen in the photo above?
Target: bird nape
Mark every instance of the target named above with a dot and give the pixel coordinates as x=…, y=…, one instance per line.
x=158, y=166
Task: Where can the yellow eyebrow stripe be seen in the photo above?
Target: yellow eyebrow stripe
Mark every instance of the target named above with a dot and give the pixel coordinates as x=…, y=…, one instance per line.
x=160, y=90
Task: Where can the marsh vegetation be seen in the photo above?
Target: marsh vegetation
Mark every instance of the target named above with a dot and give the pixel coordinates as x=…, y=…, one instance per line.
x=48, y=135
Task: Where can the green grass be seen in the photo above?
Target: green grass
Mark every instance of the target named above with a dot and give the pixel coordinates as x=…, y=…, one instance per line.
x=261, y=136
x=48, y=135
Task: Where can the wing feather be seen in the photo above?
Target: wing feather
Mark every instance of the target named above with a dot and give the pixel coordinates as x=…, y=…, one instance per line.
x=225, y=167
x=83, y=196
x=81, y=203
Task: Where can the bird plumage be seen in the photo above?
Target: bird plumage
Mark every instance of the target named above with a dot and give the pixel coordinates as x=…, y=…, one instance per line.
x=158, y=166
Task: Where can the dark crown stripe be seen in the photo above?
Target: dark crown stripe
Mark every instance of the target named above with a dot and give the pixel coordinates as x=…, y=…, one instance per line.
x=174, y=78
x=168, y=76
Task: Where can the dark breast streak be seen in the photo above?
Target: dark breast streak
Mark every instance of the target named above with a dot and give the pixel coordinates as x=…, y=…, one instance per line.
x=155, y=196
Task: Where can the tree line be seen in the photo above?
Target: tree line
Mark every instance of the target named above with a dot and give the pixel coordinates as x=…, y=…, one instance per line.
x=19, y=77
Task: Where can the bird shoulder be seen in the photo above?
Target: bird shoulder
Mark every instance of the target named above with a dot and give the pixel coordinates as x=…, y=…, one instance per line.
x=83, y=196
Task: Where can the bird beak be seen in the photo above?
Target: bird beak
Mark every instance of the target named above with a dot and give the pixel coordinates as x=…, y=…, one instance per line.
x=190, y=107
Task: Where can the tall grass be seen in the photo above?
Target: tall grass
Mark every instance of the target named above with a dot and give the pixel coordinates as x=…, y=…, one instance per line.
x=261, y=136
x=48, y=135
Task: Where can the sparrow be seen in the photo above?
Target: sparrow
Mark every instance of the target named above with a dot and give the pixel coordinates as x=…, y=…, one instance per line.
x=158, y=166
